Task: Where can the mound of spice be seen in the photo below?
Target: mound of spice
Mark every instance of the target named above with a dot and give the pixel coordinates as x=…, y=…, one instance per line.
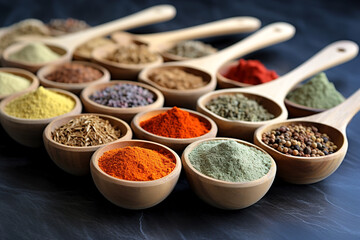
x=137, y=164
x=251, y=72
x=87, y=48
x=192, y=49
x=40, y=104
x=238, y=107
x=132, y=54
x=123, y=96
x=74, y=73
x=299, y=140
x=63, y=26
x=10, y=83
x=176, y=78
x=176, y=123
x=230, y=161
x=317, y=93
x=34, y=53
x=86, y=131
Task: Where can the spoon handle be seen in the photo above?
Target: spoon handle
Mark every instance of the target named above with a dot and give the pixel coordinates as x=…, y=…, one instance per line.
x=148, y=16
x=339, y=116
x=222, y=27
x=330, y=56
x=266, y=36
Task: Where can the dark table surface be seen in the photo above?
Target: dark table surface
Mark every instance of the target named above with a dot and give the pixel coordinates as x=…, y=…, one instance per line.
x=40, y=201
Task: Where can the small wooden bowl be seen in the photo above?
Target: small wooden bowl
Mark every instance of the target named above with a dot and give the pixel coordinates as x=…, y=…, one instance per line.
x=125, y=114
x=177, y=144
x=28, y=132
x=183, y=98
x=76, y=160
x=34, y=82
x=120, y=70
x=65, y=56
x=71, y=87
x=134, y=194
x=223, y=194
x=224, y=82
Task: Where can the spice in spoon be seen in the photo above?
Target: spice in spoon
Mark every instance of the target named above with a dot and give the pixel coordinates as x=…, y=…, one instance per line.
x=86, y=131
x=132, y=54
x=192, y=49
x=34, y=53
x=87, y=48
x=238, y=107
x=299, y=140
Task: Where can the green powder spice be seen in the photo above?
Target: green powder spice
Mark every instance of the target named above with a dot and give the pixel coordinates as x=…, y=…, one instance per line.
x=317, y=93
x=238, y=107
x=40, y=104
x=230, y=161
x=10, y=83
x=34, y=53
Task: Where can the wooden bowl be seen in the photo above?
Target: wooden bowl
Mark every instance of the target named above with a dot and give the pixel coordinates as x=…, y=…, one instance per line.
x=120, y=70
x=28, y=132
x=125, y=114
x=34, y=82
x=134, y=194
x=177, y=144
x=71, y=87
x=65, y=56
x=223, y=194
x=76, y=160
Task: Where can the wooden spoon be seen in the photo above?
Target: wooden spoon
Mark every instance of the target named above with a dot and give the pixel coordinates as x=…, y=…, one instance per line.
x=305, y=170
x=206, y=67
x=66, y=45
x=161, y=42
x=271, y=95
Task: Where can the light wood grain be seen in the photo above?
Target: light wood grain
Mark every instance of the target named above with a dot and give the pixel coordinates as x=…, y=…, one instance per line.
x=306, y=170
x=209, y=65
x=134, y=194
x=125, y=114
x=177, y=144
x=34, y=82
x=76, y=160
x=223, y=194
x=28, y=132
x=65, y=45
x=75, y=88
x=272, y=94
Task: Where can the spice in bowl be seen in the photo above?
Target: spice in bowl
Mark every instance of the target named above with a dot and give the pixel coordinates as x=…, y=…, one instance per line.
x=40, y=104
x=238, y=107
x=132, y=54
x=86, y=131
x=34, y=53
x=10, y=83
x=70, y=25
x=74, y=73
x=176, y=78
x=192, y=49
x=87, y=48
x=176, y=123
x=250, y=72
x=123, y=96
x=230, y=161
x=317, y=93
x=299, y=140
x=137, y=163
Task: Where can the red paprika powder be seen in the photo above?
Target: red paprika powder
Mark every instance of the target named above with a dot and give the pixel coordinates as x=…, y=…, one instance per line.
x=176, y=123
x=251, y=72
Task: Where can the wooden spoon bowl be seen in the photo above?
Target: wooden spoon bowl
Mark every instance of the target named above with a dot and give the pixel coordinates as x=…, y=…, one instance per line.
x=223, y=194
x=224, y=82
x=28, y=132
x=75, y=88
x=177, y=144
x=306, y=170
x=76, y=160
x=271, y=95
x=125, y=114
x=134, y=194
x=34, y=82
